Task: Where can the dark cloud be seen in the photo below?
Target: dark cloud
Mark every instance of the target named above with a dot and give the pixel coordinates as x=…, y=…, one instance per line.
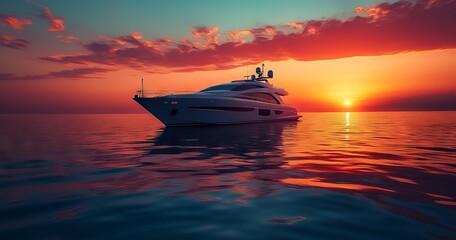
x=12, y=41
x=99, y=47
x=78, y=72
x=72, y=73
x=445, y=101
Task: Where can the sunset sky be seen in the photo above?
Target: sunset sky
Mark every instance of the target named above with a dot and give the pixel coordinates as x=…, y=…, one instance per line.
x=89, y=56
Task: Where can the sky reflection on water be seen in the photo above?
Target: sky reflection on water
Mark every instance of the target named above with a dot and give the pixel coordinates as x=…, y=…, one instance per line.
x=345, y=175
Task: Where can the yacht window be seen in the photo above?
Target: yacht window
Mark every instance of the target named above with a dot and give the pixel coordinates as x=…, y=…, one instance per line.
x=232, y=109
x=218, y=87
x=246, y=87
x=262, y=97
x=264, y=112
x=278, y=97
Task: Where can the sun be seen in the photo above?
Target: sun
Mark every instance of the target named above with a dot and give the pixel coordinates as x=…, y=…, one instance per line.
x=347, y=103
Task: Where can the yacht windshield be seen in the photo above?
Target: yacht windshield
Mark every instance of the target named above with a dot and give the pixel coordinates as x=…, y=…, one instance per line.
x=231, y=87
x=218, y=87
x=246, y=87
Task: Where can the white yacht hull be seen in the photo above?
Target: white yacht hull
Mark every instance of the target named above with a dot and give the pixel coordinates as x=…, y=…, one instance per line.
x=205, y=109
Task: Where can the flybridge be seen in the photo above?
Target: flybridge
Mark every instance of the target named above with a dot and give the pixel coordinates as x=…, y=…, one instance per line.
x=142, y=93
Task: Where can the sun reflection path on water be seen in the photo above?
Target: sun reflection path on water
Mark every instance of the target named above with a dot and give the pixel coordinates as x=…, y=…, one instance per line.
x=347, y=119
x=347, y=126
x=376, y=155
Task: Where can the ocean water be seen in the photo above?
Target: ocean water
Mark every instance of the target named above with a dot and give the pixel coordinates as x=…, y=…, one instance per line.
x=386, y=175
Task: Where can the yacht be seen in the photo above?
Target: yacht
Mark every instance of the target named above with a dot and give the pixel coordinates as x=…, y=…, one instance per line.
x=241, y=101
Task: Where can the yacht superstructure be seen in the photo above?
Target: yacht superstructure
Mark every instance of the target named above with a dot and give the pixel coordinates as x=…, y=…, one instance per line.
x=239, y=101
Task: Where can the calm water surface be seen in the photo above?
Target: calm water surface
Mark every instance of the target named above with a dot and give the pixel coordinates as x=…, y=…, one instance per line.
x=328, y=176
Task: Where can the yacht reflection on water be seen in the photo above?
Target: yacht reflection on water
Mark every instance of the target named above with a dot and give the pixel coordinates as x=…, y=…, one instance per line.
x=251, y=141
x=198, y=160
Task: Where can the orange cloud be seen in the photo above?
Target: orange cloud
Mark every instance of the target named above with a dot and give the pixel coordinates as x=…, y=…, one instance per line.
x=373, y=12
x=297, y=25
x=188, y=45
x=264, y=33
x=134, y=40
x=359, y=10
x=14, y=22
x=259, y=34
x=388, y=28
x=136, y=35
x=238, y=36
x=209, y=34
x=57, y=23
x=67, y=39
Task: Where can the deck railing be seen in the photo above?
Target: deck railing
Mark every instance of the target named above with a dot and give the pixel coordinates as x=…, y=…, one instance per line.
x=158, y=93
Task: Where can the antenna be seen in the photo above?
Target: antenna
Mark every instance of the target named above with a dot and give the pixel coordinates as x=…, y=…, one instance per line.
x=247, y=76
x=142, y=87
x=262, y=69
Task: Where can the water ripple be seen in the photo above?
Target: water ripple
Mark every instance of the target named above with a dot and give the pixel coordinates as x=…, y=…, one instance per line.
x=329, y=176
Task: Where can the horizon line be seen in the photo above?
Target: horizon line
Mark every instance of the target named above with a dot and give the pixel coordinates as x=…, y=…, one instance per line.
x=146, y=113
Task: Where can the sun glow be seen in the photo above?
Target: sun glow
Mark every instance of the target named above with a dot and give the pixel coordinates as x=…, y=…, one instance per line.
x=347, y=103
